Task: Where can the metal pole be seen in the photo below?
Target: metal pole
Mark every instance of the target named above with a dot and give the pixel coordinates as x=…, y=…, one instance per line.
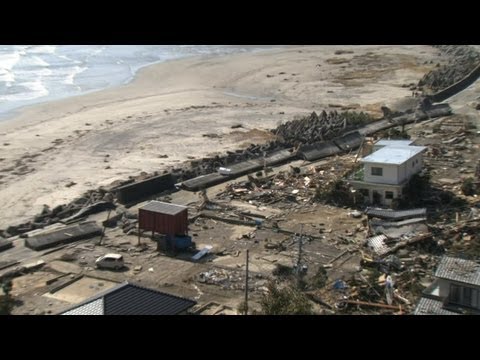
x=246, y=287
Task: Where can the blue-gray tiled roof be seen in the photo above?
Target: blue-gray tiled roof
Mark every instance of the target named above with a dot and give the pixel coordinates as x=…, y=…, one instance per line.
x=129, y=299
x=456, y=269
x=428, y=306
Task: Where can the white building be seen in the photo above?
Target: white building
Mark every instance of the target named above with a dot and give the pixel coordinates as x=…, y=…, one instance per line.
x=456, y=289
x=385, y=142
x=387, y=170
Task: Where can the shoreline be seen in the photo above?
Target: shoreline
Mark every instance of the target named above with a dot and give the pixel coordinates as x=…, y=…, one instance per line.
x=58, y=150
x=17, y=111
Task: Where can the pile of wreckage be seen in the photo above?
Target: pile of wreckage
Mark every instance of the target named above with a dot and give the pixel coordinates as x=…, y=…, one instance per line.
x=395, y=229
x=232, y=279
x=393, y=269
x=298, y=185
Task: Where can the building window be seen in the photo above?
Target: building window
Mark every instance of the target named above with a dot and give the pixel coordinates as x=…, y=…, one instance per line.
x=466, y=296
x=377, y=171
x=388, y=194
x=365, y=192
x=413, y=163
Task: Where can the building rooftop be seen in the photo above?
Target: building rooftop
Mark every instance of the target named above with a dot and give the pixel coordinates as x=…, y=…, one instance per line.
x=163, y=208
x=386, y=142
x=394, y=154
x=456, y=269
x=129, y=299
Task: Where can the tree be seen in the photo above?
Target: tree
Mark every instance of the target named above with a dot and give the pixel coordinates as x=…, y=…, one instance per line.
x=468, y=187
x=416, y=189
x=6, y=300
x=285, y=301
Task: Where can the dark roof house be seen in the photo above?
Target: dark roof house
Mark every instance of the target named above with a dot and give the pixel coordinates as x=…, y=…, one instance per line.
x=456, y=289
x=130, y=299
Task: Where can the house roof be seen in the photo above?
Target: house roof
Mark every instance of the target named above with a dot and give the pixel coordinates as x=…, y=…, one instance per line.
x=386, y=142
x=427, y=306
x=393, y=154
x=130, y=299
x=461, y=270
x=163, y=208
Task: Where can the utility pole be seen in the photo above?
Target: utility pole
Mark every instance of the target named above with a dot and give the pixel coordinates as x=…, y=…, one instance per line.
x=299, y=262
x=105, y=226
x=246, y=287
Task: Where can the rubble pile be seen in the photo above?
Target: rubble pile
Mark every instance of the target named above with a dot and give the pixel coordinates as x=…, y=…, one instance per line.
x=461, y=238
x=232, y=279
x=464, y=60
x=299, y=185
x=386, y=283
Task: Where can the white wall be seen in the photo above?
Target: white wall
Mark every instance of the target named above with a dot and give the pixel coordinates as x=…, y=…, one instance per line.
x=390, y=174
x=417, y=162
x=444, y=288
x=402, y=173
x=444, y=291
x=394, y=174
x=379, y=188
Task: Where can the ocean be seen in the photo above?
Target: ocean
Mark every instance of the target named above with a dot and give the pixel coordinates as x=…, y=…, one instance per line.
x=40, y=73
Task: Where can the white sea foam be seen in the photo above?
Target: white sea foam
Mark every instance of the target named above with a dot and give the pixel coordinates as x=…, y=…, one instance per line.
x=7, y=77
x=7, y=62
x=32, y=90
x=42, y=49
x=75, y=71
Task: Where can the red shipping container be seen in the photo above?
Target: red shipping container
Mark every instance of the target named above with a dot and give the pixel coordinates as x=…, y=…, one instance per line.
x=163, y=218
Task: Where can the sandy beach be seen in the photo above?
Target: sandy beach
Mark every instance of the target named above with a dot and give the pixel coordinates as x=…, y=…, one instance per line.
x=53, y=152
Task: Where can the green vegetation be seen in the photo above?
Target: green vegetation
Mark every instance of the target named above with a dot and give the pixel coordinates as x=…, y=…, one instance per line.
x=285, y=301
x=468, y=187
x=396, y=134
x=319, y=280
x=415, y=190
x=6, y=301
x=338, y=193
x=242, y=308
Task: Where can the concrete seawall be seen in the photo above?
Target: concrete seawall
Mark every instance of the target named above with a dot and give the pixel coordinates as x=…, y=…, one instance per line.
x=457, y=87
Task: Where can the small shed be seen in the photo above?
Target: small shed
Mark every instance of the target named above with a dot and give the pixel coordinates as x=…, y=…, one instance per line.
x=163, y=218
